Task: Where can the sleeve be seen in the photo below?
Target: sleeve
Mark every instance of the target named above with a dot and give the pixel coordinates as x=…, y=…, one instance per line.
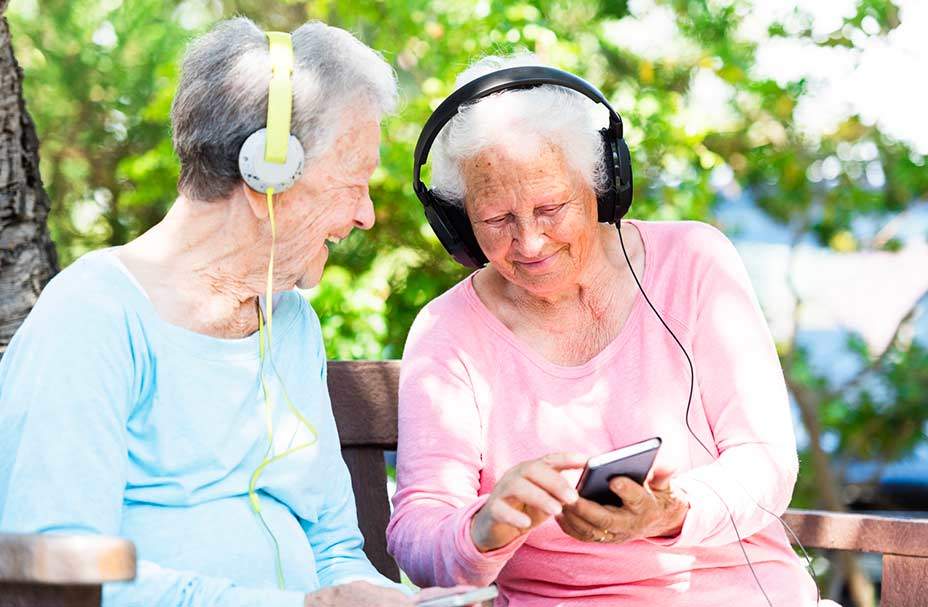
x=746, y=404
x=336, y=540
x=68, y=384
x=439, y=459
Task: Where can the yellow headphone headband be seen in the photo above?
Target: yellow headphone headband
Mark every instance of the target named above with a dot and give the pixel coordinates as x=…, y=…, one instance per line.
x=271, y=159
x=280, y=97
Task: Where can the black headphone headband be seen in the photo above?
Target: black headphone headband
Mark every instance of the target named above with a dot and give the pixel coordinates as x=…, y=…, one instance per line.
x=506, y=79
x=449, y=222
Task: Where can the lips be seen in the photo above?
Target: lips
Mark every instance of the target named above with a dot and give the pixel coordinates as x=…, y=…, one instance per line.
x=537, y=263
x=337, y=238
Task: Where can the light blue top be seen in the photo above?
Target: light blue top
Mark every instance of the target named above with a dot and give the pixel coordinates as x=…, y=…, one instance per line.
x=114, y=421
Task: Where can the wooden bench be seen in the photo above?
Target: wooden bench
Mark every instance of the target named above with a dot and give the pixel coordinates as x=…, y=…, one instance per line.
x=49, y=570
x=67, y=571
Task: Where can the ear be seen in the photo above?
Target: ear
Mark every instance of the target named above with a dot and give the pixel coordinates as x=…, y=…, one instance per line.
x=257, y=201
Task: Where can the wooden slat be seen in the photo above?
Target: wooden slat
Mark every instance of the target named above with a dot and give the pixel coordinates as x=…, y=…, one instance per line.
x=860, y=532
x=905, y=580
x=369, y=481
x=41, y=595
x=364, y=395
x=65, y=559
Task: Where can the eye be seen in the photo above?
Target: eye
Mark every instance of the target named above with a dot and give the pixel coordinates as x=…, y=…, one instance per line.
x=496, y=221
x=550, y=209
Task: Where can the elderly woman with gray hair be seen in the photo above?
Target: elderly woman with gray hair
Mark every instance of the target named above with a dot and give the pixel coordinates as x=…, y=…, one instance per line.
x=146, y=396
x=577, y=339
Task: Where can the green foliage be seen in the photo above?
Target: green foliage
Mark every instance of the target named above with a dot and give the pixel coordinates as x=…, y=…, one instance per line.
x=99, y=82
x=100, y=77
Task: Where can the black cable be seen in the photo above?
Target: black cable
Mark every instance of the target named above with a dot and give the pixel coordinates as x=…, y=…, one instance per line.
x=689, y=402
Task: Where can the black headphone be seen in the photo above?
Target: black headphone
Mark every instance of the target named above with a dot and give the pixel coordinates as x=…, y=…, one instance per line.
x=449, y=220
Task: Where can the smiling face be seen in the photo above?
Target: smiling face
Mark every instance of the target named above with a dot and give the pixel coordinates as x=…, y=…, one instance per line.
x=329, y=200
x=534, y=217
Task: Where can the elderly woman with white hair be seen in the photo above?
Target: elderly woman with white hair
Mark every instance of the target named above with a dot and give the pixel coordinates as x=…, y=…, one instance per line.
x=147, y=395
x=553, y=352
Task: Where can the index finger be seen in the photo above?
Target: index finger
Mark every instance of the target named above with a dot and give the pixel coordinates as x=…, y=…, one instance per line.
x=565, y=460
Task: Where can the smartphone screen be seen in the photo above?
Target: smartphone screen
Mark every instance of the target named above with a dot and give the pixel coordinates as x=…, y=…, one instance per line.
x=461, y=599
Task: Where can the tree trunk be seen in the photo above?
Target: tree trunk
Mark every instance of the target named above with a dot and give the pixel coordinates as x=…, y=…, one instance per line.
x=862, y=592
x=27, y=254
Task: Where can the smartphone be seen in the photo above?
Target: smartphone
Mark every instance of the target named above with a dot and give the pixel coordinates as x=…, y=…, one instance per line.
x=633, y=461
x=461, y=599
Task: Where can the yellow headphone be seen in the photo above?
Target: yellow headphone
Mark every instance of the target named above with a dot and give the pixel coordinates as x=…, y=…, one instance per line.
x=270, y=161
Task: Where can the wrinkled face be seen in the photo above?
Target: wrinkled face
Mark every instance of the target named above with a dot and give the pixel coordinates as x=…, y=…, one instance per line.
x=329, y=200
x=534, y=217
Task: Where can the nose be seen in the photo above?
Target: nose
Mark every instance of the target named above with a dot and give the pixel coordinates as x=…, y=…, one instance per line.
x=530, y=239
x=364, y=211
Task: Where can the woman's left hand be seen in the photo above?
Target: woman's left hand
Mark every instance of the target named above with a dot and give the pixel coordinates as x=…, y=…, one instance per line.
x=652, y=510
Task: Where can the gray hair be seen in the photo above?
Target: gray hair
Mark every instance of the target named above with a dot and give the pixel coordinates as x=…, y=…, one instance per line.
x=519, y=120
x=222, y=96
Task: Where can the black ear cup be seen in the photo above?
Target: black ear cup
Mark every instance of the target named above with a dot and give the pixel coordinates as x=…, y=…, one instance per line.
x=614, y=203
x=624, y=185
x=452, y=226
x=606, y=201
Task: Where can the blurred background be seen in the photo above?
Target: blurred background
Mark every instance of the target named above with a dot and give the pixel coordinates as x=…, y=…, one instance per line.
x=797, y=127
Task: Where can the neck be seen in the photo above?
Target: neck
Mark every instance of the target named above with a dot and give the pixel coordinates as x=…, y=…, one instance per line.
x=204, y=265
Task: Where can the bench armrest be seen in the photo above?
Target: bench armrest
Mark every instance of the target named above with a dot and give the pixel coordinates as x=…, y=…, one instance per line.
x=65, y=559
x=859, y=532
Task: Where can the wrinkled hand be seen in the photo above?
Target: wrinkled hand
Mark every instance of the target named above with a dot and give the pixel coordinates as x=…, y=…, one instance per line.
x=523, y=498
x=358, y=593
x=652, y=510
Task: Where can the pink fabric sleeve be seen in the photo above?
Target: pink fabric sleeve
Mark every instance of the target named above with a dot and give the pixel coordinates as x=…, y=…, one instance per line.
x=744, y=395
x=438, y=468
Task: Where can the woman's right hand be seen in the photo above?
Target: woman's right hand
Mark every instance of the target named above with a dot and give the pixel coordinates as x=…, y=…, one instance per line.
x=523, y=498
x=358, y=593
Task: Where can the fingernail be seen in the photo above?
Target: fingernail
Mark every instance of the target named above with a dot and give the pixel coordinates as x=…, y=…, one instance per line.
x=553, y=509
x=572, y=496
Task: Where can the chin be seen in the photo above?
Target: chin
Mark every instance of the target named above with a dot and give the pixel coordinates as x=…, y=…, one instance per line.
x=309, y=280
x=313, y=273
x=543, y=285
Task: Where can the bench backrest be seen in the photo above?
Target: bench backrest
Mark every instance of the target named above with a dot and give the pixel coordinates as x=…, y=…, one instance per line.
x=364, y=398
x=364, y=395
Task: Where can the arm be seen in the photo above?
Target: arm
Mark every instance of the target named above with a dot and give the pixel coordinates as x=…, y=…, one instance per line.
x=68, y=383
x=336, y=540
x=746, y=404
x=438, y=468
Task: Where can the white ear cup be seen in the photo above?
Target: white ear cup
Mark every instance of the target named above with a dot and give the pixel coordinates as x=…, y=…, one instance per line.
x=261, y=175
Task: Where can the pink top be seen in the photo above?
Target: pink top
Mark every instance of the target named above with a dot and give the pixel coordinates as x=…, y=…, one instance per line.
x=474, y=401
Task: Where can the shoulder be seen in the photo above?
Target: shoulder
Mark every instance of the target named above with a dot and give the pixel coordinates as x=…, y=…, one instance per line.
x=695, y=239
x=302, y=327
x=689, y=249
x=90, y=294
x=447, y=318
x=80, y=336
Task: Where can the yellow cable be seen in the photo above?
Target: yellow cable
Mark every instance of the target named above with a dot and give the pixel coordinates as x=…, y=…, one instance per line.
x=265, y=354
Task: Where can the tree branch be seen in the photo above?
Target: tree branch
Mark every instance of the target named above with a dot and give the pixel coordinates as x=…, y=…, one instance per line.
x=878, y=361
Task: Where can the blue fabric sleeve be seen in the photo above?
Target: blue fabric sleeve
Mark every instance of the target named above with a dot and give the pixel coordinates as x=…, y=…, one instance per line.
x=335, y=537
x=67, y=384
